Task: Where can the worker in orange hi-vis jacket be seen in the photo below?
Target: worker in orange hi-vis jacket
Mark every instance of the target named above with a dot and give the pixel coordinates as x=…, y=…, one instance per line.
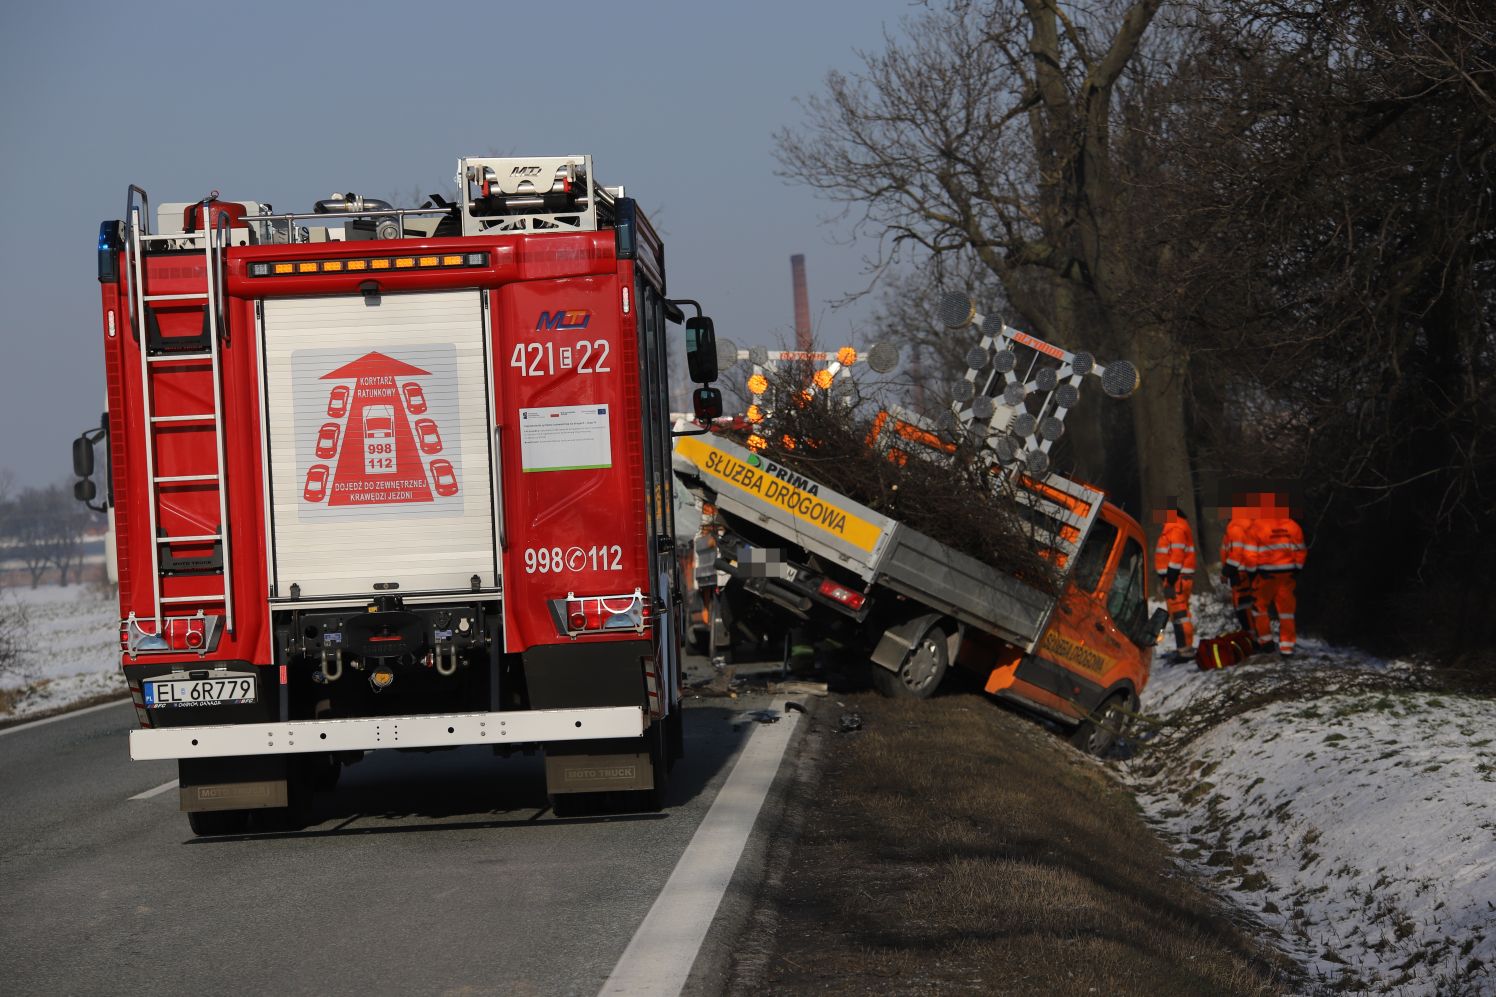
x=1234, y=558
x=1174, y=560
x=1275, y=556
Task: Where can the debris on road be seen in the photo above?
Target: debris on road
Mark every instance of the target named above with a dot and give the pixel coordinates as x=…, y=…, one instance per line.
x=800, y=688
x=756, y=716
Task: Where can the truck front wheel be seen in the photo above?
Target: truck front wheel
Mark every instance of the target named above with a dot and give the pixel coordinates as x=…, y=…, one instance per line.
x=921, y=671
x=1099, y=732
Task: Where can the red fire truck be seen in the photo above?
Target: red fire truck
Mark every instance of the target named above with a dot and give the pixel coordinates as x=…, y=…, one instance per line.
x=395, y=478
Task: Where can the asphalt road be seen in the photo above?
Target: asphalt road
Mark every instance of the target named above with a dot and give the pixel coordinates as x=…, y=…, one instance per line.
x=424, y=873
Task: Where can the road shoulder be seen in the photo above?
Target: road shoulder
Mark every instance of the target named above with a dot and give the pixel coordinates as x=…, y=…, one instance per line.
x=952, y=846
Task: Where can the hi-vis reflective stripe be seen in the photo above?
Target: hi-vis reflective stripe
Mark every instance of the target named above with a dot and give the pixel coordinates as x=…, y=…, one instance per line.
x=808, y=509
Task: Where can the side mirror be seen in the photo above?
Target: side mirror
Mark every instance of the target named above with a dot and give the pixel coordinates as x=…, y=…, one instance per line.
x=707, y=404
x=701, y=351
x=85, y=490
x=83, y=456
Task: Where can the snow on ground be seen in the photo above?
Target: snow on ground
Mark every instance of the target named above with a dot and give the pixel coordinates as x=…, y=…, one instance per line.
x=68, y=648
x=1342, y=801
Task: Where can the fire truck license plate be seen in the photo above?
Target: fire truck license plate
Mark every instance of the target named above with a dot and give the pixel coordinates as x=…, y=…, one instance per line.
x=200, y=692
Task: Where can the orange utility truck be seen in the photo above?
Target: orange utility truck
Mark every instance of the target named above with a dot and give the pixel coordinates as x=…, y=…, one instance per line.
x=1080, y=657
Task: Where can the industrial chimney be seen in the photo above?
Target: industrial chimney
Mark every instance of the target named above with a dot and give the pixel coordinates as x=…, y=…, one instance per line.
x=802, y=302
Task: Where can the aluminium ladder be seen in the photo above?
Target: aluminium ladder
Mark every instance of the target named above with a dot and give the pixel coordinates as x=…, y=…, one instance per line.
x=214, y=239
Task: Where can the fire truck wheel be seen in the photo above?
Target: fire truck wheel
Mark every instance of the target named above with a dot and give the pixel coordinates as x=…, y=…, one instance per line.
x=325, y=770
x=1096, y=734
x=675, y=735
x=658, y=739
x=574, y=804
x=719, y=631
x=921, y=671
x=208, y=823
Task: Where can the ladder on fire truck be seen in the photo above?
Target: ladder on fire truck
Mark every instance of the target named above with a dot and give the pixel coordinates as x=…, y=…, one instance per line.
x=213, y=237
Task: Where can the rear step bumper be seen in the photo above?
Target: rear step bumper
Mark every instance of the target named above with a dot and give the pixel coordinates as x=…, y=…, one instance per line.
x=433, y=731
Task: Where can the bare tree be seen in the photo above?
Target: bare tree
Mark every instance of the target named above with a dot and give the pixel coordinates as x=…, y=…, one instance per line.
x=70, y=523
x=988, y=130
x=27, y=528
x=44, y=529
x=1329, y=208
x=7, y=514
x=14, y=622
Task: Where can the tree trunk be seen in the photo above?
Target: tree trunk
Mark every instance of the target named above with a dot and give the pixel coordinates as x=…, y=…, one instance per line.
x=1158, y=420
x=1083, y=442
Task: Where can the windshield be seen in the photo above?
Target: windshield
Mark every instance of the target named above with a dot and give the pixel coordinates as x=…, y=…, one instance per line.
x=1093, y=554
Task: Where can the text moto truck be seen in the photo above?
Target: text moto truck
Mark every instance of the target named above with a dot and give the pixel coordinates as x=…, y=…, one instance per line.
x=1081, y=658
x=394, y=478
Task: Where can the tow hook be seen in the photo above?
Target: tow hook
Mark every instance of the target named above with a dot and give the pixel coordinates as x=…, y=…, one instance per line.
x=332, y=664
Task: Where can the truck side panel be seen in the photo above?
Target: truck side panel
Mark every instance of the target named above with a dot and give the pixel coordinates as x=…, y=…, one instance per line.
x=567, y=367
x=963, y=587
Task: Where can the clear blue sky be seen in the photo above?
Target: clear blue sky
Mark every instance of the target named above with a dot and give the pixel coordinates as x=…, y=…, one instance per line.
x=288, y=102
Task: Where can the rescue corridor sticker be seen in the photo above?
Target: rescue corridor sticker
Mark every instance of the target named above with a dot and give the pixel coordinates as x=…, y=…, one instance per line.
x=792, y=493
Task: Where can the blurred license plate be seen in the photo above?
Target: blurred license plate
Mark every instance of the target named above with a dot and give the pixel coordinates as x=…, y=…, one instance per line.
x=200, y=692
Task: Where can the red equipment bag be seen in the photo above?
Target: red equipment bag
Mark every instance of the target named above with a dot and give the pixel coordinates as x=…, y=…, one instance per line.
x=1225, y=650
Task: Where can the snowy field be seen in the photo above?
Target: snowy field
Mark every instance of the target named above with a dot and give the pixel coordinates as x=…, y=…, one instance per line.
x=68, y=648
x=1351, y=809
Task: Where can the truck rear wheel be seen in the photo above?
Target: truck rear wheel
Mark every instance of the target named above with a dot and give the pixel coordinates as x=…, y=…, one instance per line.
x=658, y=737
x=210, y=823
x=921, y=671
x=324, y=770
x=719, y=631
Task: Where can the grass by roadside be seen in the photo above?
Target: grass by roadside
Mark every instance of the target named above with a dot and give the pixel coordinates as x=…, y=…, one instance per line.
x=949, y=846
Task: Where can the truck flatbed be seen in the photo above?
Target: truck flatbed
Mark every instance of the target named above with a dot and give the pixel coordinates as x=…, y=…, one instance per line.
x=882, y=551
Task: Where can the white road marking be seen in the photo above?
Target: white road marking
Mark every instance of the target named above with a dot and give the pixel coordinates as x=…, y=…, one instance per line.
x=660, y=955
x=155, y=792
x=63, y=716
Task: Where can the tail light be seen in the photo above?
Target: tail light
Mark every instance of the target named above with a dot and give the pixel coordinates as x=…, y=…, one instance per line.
x=584, y=614
x=850, y=598
x=176, y=634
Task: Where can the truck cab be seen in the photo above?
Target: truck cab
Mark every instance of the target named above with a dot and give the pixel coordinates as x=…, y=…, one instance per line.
x=1098, y=646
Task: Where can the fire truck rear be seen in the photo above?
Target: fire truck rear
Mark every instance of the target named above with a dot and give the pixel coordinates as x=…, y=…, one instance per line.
x=395, y=478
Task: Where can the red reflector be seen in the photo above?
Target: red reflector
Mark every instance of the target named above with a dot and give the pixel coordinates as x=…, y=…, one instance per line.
x=194, y=638
x=852, y=600
x=578, y=621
